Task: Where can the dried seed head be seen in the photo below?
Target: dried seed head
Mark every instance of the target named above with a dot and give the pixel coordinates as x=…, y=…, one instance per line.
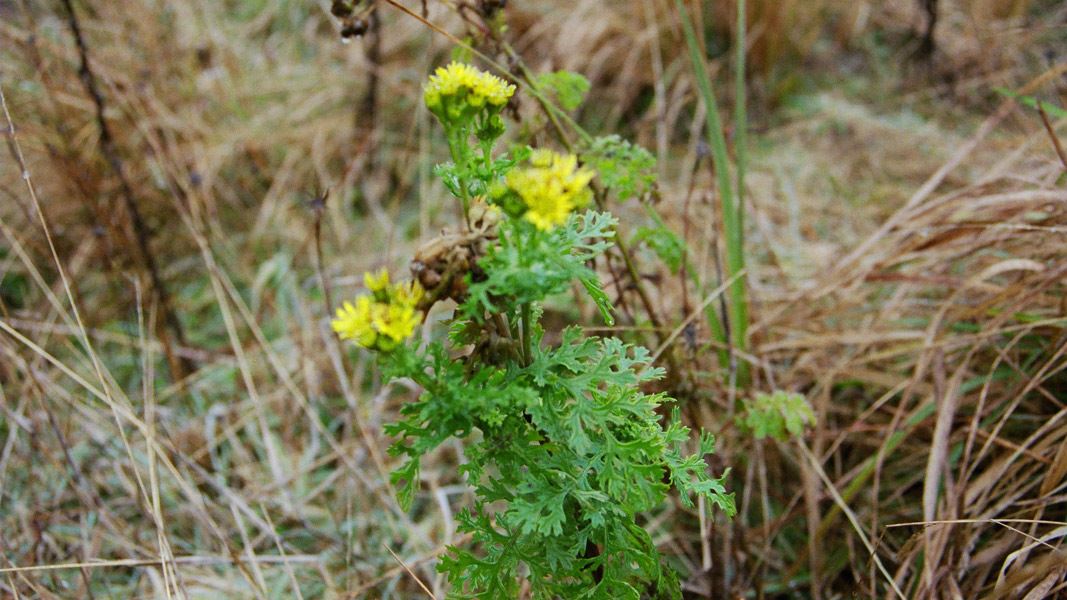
x=341, y=9
x=354, y=28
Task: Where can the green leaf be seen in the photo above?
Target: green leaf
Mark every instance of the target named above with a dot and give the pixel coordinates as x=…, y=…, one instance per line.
x=780, y=415
x=568, y=88
x=406, y=481
x=1029, y=101
x=626, y=169
x=529, y=265
x=660, y=239
x=689, y=472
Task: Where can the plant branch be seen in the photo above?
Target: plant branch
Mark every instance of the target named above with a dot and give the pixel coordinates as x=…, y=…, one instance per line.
x=179, y=366
x=1052, y=135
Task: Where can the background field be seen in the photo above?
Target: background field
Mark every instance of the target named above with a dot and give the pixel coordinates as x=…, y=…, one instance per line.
x=178, y=421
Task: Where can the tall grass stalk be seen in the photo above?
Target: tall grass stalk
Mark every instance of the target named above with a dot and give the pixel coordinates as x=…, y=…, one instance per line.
x=740, y=111
x=733, y=225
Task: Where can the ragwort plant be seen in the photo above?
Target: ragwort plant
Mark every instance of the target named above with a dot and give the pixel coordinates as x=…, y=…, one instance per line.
x=563, y=448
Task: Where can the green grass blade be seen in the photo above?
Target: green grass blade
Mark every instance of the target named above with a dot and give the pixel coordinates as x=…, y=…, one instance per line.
x=740, y=111
x=735, y=257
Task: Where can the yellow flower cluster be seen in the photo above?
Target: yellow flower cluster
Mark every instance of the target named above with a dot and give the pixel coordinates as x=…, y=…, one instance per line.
x=382, y=319
x=551, y=187
x=467, y=84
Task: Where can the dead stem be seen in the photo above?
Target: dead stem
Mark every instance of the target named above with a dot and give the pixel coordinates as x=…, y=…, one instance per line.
x=179, y=366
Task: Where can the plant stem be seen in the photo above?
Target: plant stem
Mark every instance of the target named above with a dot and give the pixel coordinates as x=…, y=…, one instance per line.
x=732, y=225
x=527, y=350
x=740, y=110
x=457, y=147
x=170, y=324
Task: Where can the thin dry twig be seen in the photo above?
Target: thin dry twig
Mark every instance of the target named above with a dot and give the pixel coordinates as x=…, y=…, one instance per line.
x=422, y=585
x=1052, y=136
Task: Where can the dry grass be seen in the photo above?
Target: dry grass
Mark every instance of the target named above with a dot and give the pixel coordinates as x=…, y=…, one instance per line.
x=909, y=240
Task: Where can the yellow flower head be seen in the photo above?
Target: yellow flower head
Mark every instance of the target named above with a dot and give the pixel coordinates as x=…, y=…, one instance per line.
x=551, y=188
x=462, y=82
x=377, y=282
x=382, y=319
x=409, y=293
x=353, y=322
x=395, y=323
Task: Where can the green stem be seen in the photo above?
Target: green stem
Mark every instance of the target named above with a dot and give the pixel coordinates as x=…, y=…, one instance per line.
x=732, y=227
x=460, y=152
x=504, y=330
x=527, y=349
x=740, y=110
